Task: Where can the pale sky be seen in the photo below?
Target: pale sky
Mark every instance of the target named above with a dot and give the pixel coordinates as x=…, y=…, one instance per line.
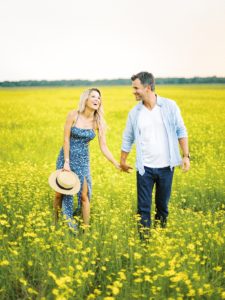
x=98, y=39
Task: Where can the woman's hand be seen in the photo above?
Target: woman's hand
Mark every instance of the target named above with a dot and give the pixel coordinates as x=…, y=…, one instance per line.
x=66, y=166
x=117, y=165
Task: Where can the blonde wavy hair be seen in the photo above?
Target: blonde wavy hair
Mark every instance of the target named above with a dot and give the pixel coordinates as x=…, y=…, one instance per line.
x=99, y=121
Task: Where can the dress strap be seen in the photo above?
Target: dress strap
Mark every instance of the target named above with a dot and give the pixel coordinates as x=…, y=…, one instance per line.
x=75, y=121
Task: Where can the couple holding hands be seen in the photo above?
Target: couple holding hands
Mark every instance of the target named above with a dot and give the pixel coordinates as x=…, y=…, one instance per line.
x=155, y=125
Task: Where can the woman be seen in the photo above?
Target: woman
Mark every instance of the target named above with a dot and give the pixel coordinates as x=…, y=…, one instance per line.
x=79, y=130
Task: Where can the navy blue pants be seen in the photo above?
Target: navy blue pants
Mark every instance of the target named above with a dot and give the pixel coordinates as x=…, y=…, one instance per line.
x=162, y=179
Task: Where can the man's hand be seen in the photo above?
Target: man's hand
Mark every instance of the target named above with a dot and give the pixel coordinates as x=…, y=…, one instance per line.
x=185, y=164
x=125, y=168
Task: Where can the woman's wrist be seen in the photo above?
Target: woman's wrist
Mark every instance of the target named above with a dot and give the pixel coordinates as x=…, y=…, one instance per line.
x=67, y=160
x=116, y=164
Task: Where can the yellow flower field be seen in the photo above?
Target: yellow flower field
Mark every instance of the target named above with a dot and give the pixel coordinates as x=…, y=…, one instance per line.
x=41, y=261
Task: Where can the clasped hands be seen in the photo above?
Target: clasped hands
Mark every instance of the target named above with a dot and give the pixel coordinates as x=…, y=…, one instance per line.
x=125, y=168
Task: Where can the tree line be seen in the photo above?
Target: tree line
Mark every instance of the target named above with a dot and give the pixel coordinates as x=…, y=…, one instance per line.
x=109, y=82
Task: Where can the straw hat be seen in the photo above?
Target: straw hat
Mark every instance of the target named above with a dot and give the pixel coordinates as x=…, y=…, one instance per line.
x=64, y=182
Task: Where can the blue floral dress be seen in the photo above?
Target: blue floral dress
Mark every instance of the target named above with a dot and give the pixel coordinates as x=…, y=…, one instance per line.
x=80, y=164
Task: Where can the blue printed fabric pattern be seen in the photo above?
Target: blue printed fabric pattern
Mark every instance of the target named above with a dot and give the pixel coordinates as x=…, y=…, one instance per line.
x=80, y=164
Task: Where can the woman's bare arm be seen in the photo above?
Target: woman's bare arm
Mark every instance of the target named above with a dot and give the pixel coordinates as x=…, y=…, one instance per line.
x=66, y=143
x=105, y=150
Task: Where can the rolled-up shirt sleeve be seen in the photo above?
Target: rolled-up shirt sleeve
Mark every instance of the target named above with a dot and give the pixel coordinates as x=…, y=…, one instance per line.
x=128, y=136
x=179, y=123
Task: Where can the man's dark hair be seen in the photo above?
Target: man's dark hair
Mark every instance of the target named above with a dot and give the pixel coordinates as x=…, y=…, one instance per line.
x=145, y=79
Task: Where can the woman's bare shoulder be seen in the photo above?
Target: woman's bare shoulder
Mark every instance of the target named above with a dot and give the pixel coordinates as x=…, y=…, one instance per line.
x=72, y=114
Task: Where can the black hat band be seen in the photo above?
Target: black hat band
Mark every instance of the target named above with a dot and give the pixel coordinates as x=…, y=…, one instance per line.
x=62, y=186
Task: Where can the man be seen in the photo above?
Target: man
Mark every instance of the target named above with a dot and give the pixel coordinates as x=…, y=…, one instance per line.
x=157, y=128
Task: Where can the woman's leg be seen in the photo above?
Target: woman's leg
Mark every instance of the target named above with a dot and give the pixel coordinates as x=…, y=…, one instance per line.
x=67, y=211
x=85, y=203
x=57, y=205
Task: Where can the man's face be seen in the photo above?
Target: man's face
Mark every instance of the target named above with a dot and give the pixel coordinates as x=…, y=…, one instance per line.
x=139, y=90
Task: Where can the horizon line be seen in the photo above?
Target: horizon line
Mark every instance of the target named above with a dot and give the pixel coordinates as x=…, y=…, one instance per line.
x=118, y=78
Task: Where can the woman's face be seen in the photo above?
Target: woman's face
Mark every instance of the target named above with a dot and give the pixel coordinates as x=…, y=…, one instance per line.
x=94, y=100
